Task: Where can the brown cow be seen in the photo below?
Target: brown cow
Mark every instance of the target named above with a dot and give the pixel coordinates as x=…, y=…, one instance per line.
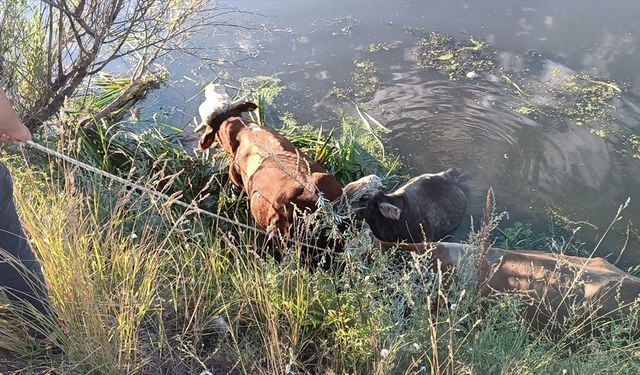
x=552, y=286
x=430, y=205
x=275, y=175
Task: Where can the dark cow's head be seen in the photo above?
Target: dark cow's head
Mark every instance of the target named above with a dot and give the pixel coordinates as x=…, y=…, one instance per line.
x=431, y=204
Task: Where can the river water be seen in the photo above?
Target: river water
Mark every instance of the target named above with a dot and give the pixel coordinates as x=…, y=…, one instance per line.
x=533, y=162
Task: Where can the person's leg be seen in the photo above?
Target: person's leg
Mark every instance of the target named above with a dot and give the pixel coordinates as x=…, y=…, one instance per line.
x=29, y=287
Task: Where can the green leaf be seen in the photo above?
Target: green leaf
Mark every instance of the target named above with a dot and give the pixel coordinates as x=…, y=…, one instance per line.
x=445, y=57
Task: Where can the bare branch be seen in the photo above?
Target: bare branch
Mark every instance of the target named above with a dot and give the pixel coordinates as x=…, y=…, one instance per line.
x=81, y=37
x=75, y=17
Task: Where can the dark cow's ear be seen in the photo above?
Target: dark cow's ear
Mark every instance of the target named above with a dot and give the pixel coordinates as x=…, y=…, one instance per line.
x=389, y=211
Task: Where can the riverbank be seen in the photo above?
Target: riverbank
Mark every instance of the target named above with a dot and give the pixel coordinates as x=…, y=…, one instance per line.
x=143, y=287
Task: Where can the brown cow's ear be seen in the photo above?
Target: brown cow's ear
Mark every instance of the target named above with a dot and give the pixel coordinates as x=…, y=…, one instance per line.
x=207, y=138
x=245, y=107
x=389, y=211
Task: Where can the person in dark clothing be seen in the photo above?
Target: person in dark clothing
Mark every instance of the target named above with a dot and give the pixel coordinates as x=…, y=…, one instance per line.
x=21, y=277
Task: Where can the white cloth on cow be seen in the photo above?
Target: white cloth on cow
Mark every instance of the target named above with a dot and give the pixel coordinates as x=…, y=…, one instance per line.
x=216, y=102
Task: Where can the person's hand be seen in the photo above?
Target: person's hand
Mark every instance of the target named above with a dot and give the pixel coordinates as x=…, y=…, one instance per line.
x=11, y=128
x=18, y=133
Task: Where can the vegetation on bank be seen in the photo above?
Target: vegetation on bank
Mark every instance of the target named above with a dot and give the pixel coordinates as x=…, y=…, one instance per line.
x=141, y=286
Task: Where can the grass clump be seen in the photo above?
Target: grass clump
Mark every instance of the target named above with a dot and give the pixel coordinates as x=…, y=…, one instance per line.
x=155, y=155
x=263, y=89
x=348, y=151
x=561, y=234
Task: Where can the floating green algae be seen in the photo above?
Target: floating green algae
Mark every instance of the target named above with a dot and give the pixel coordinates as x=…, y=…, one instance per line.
x=364, y=80
x=634, y=143
x=434, y=50
x=457, y=59
x=341, y=26
x=418, y=32
x=525, y=111
x=364, y=77
x=588, y=98
x=382, y=46
x=580, y=98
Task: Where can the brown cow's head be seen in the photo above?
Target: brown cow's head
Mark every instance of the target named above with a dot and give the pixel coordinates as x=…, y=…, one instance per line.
x=212, y=125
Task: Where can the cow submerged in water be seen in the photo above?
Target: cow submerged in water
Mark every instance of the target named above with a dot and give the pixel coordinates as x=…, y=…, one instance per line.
x=276, y=176
x=553, y=287
x=430, y=205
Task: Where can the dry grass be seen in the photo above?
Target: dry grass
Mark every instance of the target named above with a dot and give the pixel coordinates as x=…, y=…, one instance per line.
x=143, y=288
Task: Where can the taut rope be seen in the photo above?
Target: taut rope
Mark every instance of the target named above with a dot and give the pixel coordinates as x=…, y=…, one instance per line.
x=154, y=193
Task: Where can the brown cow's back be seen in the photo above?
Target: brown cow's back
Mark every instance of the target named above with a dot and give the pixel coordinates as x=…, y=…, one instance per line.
x=553, y=286
x=274, y=173
x=563, y=284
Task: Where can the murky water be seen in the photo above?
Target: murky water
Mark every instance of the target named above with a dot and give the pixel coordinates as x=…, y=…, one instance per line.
x=532, y=162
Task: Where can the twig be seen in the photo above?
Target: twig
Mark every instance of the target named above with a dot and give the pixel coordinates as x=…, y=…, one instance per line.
x=481, y=268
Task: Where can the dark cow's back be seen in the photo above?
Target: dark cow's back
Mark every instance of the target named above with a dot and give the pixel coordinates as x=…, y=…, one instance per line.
x=435, y=204
x=430, y=206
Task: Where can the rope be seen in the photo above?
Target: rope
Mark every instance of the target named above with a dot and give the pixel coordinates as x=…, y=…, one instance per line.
x=156, y=194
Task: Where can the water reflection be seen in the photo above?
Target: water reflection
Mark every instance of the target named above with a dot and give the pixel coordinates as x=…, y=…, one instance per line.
x=531, y=163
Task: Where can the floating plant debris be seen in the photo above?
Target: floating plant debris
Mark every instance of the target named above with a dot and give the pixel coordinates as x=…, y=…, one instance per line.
x=382, y=46
x=457, y=59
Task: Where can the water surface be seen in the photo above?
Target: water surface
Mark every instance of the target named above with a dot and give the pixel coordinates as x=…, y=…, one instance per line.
x=533, y=162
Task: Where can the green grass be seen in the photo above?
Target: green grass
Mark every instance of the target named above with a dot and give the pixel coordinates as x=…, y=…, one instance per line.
x=348, y=152
x=145, y=288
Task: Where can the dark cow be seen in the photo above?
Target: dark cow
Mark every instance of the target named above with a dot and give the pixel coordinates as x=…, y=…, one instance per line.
x=554, y=287
x=430, y=205
x=276, y=176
